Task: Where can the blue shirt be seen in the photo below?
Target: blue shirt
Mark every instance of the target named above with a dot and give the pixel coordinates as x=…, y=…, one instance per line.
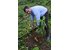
x=38, y=11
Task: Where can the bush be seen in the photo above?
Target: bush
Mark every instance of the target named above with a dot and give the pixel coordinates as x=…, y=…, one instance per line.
x=21, y=2
x=20, y=13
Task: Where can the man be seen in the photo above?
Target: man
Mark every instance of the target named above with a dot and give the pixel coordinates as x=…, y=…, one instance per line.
x=38, y=12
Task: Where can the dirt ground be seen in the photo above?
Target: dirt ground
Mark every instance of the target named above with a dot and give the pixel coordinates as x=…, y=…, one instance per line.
x=36, y=40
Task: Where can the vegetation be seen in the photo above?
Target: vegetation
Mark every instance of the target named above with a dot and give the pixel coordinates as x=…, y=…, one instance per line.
x=24, y=21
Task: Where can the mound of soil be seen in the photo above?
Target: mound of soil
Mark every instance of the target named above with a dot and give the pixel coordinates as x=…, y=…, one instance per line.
x=36, y=39
x=33, y=39
x=44, y=47
x=29, y=42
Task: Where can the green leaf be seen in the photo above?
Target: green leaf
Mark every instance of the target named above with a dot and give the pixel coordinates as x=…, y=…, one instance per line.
x=36, y=48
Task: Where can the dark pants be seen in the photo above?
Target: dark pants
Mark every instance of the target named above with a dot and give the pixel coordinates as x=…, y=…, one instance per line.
x=46, y=27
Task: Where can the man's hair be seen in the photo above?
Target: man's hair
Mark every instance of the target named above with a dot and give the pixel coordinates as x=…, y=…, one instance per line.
x=26, y=7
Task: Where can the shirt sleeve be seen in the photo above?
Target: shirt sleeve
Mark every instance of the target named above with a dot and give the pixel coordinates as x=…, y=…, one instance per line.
x=37, y=18
x=32, y=17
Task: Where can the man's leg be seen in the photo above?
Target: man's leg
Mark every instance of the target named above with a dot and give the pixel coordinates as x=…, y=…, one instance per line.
x=46, y=27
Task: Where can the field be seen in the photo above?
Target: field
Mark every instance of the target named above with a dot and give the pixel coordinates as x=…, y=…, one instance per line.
x=24, y=26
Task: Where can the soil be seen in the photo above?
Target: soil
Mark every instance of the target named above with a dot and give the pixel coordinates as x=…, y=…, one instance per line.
x=44, y=47
x=36, y=39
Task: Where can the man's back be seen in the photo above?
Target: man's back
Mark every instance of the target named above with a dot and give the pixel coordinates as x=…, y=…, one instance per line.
x=39, y=9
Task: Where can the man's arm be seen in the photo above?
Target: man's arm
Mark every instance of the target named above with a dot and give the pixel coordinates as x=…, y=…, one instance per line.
x=37, y=14
x=32, y=21
x=37, y=18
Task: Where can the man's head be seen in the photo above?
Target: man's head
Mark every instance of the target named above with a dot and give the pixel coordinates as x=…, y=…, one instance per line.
x=27, y=10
